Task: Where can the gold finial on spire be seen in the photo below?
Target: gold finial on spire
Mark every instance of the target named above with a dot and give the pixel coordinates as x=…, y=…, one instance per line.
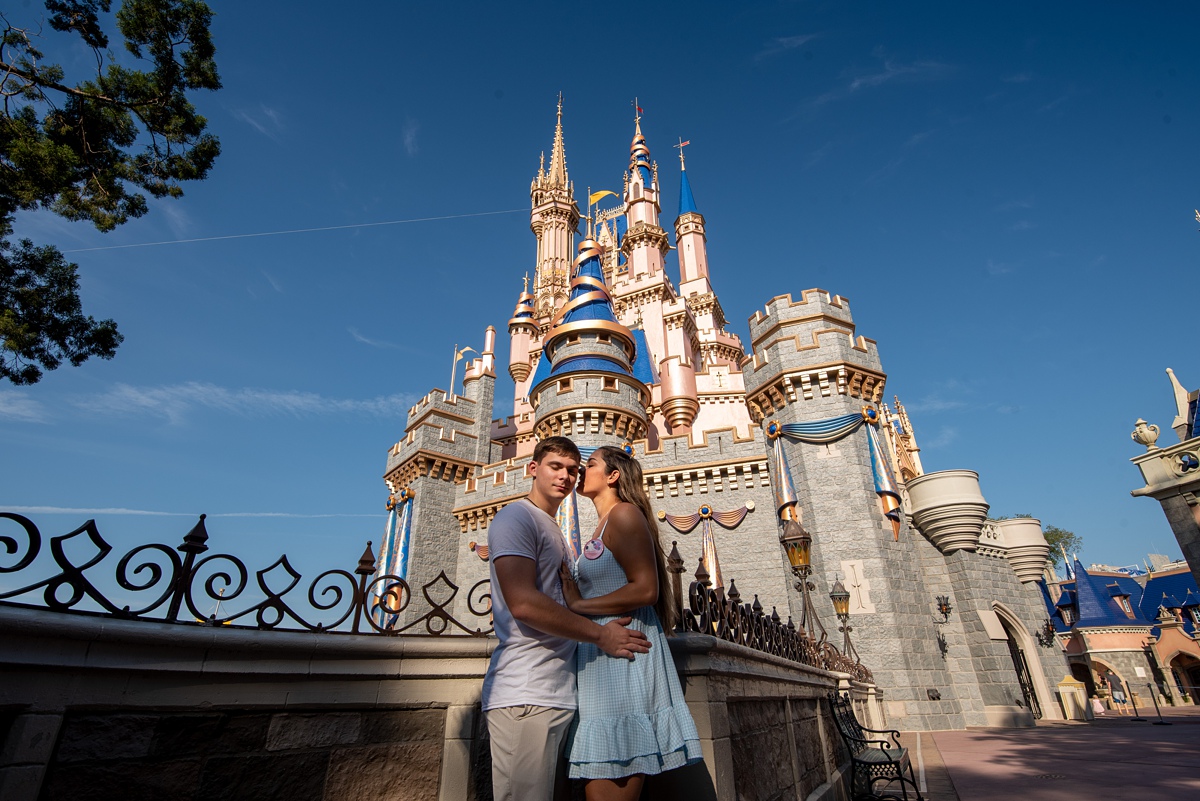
x=637, y=112
x=682, y=144
x=526, y=281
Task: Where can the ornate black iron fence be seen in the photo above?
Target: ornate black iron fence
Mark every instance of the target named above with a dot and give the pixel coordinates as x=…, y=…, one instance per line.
x=172, y=584
x=710, y=610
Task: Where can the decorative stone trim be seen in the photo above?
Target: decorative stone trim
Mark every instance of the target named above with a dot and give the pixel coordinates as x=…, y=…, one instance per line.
x=480, y=515
x=702, y=479
x=841, y=378
x=433, y=465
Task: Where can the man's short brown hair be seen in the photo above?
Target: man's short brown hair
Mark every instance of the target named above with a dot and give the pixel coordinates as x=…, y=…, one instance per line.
x=560, y=445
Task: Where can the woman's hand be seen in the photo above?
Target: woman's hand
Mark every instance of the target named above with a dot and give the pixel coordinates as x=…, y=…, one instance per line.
x=570, y=589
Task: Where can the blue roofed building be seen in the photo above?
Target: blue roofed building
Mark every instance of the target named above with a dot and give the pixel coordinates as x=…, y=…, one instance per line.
x=1125, y=633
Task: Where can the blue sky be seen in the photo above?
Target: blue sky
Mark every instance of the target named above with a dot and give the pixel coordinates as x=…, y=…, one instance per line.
x=1005, y=194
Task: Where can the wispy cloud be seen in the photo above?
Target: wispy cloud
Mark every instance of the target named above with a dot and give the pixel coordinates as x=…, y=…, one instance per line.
x=174, y=402
x=892, y=72
x=936, y=404
x=919, y=137
x=273, y=282
x=85, y=510
x=1055, y=103
x=1012, y=205
x=15, y=405
x=1020, y=77
x=266, y=120
x=782, y=44
x=375, y=343
x=997, y=268
x=1023, y=225
x=411, y=127
x=944, y=436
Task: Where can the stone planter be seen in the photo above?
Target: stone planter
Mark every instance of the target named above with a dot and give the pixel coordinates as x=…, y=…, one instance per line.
x=1028, y=550
x=949, y=509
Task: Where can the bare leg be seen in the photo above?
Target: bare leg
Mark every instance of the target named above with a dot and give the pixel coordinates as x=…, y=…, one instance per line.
x=627, y=789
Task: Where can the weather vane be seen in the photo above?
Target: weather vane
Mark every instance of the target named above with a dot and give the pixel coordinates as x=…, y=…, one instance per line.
x=682, y=144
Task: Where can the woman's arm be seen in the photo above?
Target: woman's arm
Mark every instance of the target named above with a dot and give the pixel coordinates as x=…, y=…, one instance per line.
x=628, y=537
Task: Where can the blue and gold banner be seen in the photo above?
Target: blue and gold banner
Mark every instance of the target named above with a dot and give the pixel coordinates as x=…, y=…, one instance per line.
x=568, y=523
x=885, y=483
x=393, y=553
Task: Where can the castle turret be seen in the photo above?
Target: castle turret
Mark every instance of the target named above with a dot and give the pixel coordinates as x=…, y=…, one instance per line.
x=645, y=244
x=690, y=240
x=554, y=218
x=523, y=331
x=589, y=393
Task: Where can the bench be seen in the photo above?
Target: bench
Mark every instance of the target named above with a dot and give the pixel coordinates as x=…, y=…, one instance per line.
x=873, y=758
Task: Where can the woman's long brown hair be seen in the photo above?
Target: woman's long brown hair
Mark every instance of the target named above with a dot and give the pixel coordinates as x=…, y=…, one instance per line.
x=630, y=490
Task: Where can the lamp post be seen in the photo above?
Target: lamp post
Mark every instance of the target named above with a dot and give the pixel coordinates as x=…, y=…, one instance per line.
x=841, y=607
x=797, y=544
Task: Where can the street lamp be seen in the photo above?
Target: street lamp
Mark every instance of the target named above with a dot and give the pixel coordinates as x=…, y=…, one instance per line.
x=797, y=544
x=841, y=607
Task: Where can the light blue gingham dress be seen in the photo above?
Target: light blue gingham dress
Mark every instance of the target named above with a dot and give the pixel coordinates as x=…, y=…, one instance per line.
x=632, y=716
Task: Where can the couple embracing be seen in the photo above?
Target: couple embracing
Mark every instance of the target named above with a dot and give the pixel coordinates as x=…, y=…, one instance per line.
x=614, y=602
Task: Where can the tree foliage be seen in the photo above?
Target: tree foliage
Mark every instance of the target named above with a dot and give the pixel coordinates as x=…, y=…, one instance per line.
x=1059, y=539
x=88, y=151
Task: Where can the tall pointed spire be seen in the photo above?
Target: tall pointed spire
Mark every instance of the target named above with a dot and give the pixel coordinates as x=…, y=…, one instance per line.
x=687, y=203
x=558, y=156
x=553, y=219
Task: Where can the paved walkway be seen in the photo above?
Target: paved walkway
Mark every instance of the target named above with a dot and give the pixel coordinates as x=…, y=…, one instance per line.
x=1115, y=758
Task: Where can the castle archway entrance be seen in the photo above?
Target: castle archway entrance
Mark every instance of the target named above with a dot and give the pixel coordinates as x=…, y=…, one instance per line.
x=1027, y=664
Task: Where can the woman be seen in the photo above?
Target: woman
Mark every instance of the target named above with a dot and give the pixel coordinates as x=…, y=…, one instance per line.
x=632, y=719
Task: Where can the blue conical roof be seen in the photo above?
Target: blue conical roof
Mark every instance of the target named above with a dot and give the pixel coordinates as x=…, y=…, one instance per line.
x=643, y=363
x=597, y=308
x=687, y=203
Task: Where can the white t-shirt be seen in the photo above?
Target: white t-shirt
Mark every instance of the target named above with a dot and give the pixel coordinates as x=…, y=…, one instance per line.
x=529, y=666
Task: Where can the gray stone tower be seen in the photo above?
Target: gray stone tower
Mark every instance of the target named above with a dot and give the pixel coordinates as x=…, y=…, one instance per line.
x=809, y=365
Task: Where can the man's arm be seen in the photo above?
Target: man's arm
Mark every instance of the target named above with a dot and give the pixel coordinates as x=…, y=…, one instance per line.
x=517, y=576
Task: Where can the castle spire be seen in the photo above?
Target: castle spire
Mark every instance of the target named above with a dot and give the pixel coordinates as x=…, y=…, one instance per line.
x=690, y=238
x=553, y=219
x=646, y=243
x=558, y=157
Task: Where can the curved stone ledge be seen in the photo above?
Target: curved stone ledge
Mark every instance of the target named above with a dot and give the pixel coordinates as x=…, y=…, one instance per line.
x=1028, y=551
x=949, y=509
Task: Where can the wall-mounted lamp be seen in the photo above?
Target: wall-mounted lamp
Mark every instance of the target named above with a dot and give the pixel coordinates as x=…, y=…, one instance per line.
x=1045, y=635
x=943, y=607
x=841, y=607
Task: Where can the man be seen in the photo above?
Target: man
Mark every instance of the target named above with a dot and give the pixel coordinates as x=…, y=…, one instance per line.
x=529, y=691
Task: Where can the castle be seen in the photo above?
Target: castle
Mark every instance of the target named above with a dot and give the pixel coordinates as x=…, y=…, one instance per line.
x=606, y=348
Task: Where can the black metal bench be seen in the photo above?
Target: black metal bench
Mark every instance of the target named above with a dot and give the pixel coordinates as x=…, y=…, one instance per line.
x=873, y=759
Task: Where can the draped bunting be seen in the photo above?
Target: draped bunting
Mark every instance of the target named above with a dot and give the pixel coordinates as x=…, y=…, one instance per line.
x=393, y=553
x=730, y=519
x=822, y=432
x=708, y=543
x=819, y=432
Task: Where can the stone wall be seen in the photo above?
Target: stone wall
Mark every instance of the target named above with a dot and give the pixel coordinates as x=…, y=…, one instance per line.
x=300, y=755
x=984, y=585
x=97, y=708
